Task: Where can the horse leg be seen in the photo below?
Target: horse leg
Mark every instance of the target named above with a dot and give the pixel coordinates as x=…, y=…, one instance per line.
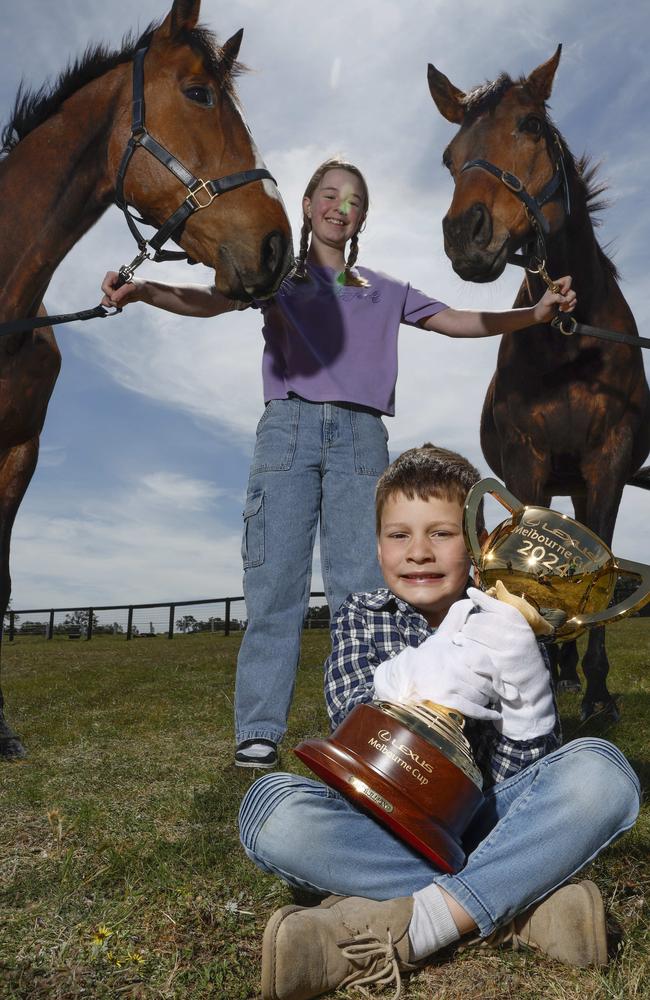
x=16, y=469
x=564, y=665
x=598, y=511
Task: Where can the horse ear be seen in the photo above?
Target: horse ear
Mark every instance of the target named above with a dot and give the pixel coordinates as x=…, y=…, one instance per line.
x=447, y=98
x=231, y=48
x=540, y=81
x=183, y=16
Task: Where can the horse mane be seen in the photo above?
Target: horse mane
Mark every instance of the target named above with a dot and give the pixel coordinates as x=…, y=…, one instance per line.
x=583, y=171
x=32, y=108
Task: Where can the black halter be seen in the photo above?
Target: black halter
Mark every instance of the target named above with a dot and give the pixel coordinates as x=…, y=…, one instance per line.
x=535, y=251
x=533, y=256
x=200, y=193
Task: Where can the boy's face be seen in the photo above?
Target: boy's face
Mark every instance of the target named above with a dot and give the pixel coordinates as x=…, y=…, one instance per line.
x=422, y=553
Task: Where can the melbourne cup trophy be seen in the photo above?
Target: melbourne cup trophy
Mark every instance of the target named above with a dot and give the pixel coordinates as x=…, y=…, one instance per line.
x=411, y=766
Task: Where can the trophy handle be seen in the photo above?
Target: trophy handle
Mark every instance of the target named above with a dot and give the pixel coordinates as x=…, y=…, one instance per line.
x=637, y=600
x=474, y=497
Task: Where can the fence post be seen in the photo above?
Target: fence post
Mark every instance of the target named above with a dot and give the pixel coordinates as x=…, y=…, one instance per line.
x=129, y=624
x=227, y=612
x=50, y=627
x=172, y=612
x=89, y=632
x=11, y=626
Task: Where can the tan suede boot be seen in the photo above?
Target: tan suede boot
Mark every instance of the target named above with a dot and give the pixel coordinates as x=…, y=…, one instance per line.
x=569, y=925
x=346, y=941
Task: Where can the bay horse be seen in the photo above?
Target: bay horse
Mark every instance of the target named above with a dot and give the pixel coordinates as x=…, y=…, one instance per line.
x=563, y=415
x=64, y=161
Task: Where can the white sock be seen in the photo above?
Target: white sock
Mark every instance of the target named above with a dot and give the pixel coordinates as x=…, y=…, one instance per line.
x=432, y=925
x=255, y=749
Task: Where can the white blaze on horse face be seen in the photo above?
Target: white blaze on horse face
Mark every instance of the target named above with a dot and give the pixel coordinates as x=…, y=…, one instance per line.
x=270, y=188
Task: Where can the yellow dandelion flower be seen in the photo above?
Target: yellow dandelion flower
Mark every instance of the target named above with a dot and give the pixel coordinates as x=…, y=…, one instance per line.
x=102, y=935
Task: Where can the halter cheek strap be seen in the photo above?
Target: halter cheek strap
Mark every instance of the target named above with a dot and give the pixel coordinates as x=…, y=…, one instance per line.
x=200, y=193
x=533, y=204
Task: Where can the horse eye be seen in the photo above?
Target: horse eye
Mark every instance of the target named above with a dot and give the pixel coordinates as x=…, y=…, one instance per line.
x=200, y=95
x=532, y=125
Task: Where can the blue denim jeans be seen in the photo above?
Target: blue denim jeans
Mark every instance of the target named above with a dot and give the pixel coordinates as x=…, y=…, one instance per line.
x=534, y=831
x=312, y=461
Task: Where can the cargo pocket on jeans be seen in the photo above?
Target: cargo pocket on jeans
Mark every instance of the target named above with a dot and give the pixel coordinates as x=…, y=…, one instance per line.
x=370, y=443
x=252, y=546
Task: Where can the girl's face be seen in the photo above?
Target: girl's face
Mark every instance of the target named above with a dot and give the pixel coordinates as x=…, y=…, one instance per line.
x=335, y=208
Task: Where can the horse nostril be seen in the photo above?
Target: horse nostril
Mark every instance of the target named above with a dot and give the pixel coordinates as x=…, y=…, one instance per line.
x=480, y=224
x=274, y=250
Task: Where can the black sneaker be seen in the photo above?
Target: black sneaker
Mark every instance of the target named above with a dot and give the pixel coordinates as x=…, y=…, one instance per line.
x=256, y=753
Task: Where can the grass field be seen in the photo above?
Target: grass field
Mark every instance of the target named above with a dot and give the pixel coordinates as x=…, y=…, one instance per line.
x=120, y=869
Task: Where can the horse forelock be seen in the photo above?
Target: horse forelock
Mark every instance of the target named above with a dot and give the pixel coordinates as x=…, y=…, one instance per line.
x=33, y=107
x=485, y=97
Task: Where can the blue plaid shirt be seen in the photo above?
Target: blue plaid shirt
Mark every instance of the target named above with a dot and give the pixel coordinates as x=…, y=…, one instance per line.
x=370, y=628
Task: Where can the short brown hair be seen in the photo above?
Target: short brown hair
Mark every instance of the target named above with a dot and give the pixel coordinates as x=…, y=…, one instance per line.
x=425, y=472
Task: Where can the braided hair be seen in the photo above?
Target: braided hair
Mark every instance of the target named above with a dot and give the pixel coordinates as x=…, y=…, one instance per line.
x=300, y=269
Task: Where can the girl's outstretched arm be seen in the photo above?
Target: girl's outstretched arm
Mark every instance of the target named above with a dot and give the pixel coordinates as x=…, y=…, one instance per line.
x=473, y=323
x=186, y=300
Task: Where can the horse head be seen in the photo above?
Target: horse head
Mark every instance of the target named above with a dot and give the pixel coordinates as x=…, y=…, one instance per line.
x=507, y=162
x=193, y=114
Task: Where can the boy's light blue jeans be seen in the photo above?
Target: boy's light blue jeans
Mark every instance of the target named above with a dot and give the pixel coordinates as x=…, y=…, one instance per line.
x=534, y=831
x=312, y=461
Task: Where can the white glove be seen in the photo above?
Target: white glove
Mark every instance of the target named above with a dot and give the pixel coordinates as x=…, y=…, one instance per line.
x=442, y=672
x=518, y=674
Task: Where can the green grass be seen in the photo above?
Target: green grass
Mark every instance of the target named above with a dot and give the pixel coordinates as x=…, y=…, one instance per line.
x=120, y=869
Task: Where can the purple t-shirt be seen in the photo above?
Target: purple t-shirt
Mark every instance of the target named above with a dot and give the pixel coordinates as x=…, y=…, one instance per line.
x=338, y=343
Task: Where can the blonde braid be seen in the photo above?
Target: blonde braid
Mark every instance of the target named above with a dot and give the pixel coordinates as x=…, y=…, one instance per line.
x=300, y=269
x=354, y=279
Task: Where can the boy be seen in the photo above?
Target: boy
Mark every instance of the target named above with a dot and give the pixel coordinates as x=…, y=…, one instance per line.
x=548, y=811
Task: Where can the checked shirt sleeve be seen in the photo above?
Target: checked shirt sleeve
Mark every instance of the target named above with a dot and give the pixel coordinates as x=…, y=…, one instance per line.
x=350, y=667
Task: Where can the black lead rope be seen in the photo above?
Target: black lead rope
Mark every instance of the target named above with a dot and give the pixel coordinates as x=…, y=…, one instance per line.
x=34, y=322
x=200, y=194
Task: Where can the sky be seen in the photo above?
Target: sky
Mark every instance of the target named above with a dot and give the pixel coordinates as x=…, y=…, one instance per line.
x=144, y=459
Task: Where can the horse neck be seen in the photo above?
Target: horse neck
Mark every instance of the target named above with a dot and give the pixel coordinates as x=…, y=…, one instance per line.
x=54, y=186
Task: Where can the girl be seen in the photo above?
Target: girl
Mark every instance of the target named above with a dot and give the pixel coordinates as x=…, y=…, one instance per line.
x=329, y=371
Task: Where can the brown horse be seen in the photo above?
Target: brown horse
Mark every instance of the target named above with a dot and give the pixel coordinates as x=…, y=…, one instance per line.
x=63, y=151
x=563, y=416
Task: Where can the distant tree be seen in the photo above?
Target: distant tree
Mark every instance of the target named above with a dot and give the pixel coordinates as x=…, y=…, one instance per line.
x=188, y=623
x=109, y=629
x=78, y=621
x=318, y=617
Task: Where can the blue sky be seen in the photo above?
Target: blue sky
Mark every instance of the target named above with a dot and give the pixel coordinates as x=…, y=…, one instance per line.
x=139, y=489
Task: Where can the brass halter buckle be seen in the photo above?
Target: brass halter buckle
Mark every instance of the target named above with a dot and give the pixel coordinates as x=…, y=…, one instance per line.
x=194, y=192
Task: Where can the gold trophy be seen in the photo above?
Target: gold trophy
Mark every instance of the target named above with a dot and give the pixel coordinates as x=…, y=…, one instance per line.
x=554, y=563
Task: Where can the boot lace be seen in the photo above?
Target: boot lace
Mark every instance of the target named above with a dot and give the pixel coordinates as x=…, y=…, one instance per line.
x=376, y=961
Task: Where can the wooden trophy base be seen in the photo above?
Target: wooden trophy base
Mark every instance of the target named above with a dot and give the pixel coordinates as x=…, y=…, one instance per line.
x=388, y=761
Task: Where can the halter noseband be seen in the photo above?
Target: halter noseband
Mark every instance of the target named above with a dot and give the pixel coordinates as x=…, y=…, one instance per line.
x=533, y=205
x=200, y=193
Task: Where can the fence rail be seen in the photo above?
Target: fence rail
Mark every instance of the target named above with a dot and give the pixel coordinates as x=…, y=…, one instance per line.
x=85, y=622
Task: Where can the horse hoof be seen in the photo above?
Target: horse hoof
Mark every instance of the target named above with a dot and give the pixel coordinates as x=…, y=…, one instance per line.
x=569, y=686
x=600, y=709
x=11, y=748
